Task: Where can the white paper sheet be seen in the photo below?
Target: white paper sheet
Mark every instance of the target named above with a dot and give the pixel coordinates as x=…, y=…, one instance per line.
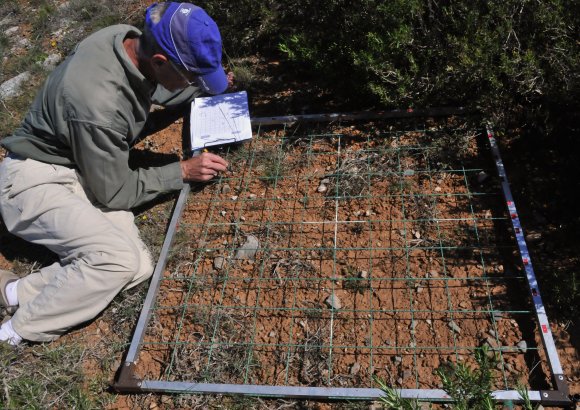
x=220, y=119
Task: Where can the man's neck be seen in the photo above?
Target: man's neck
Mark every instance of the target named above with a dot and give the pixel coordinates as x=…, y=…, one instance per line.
x=131, y=45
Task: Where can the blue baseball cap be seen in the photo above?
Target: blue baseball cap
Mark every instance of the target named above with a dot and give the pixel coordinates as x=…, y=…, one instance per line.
x=191, y=39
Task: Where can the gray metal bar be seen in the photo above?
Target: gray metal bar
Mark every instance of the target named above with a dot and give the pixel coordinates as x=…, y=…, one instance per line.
x=157, y=275
x=298, y=392
x=365, y=115
x=546, y=333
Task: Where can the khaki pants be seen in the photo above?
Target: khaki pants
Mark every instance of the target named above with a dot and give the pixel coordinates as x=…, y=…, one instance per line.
x=99, y=249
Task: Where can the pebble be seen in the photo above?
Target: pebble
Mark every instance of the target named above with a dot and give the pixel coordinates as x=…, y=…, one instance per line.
x=429, y=322
x=464, y=305
x=219, y=262
x=223, y=213
x=522, y=346
x=491, y=342
x=438, y=189
x=322, y=188
x=325, y=181
x=249, y=249
x=434, y=274
x=252, y=196
x=11, y=88
x=52, y=61
x=482, y=176
x=397, y=359
x=12, y=30
x=355, y=369
x=363, y=274
x=409, y=173
x=234, y=198
x=272, y=334
x=226, y=189
x=533, y=237
x=334, y=302
x=453, y=326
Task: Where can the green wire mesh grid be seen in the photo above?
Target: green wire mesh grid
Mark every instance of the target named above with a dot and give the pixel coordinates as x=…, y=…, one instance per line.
x=337, y=255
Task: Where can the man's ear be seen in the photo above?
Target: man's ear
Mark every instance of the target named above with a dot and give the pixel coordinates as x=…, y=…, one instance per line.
x=158, y=60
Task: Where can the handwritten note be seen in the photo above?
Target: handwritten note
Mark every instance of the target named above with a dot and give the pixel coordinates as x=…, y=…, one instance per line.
x=220, y=119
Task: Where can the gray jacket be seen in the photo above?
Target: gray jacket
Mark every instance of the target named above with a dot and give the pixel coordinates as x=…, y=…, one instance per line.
x=88, y=114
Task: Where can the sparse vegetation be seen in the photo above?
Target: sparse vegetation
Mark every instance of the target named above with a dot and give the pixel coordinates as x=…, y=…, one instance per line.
x=470, y=388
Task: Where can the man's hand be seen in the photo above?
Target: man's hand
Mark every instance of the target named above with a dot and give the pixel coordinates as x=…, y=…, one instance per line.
x=203, y=167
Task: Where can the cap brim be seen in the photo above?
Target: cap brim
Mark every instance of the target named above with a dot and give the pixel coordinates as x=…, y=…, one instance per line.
x=214, y=83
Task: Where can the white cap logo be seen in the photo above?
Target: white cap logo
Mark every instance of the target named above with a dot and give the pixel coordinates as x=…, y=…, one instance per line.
x=185, y=11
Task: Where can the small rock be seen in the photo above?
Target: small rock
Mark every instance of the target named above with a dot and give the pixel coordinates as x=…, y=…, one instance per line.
x=419, y=289
x=408, y=173
x=453, y=326
x=363, y=274
x=438, y=189
x=272, y=334
x=397, y=359
x=429, y=322
x=509, y=368
x=234, y=198
x=11, y=87
x=223, y=213
x=400, y=381
x=6, y=20
x=219, y=262
x=491, y=342
x=321, y=188
x=249, y=249
x=355, y=369
x=492, y=333
x=10, y=31
x=226, y=189
x=481, y=177
x=325, y=181
x=433, y=274
x=464, y=305
x=334, y=302
x=533, y=237
x=252, y=196
x=52, y=61
x=522, y=346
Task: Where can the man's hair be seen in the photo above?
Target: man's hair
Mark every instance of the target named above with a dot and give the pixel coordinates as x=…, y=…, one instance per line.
x=148, y=45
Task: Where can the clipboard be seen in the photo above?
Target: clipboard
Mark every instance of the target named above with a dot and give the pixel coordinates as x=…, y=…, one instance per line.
x=220, y=119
